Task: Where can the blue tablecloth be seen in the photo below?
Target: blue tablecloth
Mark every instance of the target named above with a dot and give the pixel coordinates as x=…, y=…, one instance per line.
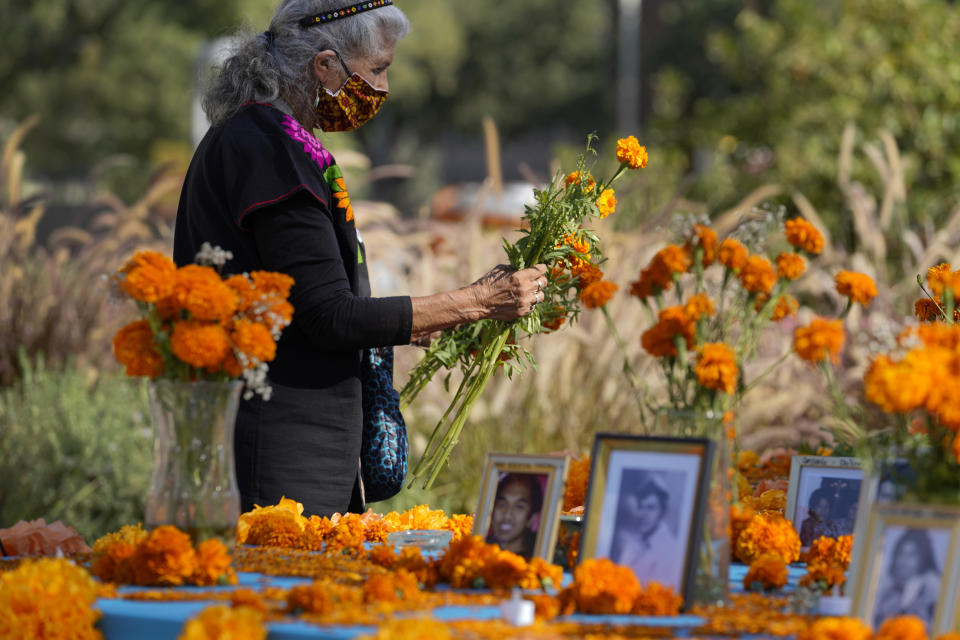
x=141, y=620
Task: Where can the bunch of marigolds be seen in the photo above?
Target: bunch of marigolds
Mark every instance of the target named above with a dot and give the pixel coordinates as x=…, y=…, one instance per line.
x=196, y=325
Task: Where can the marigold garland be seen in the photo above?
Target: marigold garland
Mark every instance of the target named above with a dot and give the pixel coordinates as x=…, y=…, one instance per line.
x=859, y=287
x=575, y=493
x=820, y=340
x=219, y=622
x=50, y=598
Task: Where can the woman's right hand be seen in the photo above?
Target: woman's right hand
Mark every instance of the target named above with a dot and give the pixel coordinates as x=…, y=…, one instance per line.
x=506, y=294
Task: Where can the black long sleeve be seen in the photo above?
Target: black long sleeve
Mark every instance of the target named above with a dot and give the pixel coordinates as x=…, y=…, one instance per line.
x=297, y=237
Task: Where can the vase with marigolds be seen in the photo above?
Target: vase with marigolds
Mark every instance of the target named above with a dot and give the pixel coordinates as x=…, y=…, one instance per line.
x=194, y=485
x=712, y=550
x=201, y=339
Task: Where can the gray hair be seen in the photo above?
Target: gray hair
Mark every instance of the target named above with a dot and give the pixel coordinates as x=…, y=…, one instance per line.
x=258, y=70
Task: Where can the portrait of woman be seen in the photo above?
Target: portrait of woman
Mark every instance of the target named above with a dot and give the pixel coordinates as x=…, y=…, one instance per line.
x=516, y=513
x=643, y=540
x=263, y=187
x=910, y=585
x=819, y=521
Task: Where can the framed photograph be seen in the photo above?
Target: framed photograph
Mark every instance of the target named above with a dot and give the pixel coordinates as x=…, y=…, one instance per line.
x=822, y=497
x=520, y=501
x=645, y=505
x=882, y=485
x=913, y=565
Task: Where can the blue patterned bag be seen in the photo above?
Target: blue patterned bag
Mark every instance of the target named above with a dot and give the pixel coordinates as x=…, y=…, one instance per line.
x=383, y=456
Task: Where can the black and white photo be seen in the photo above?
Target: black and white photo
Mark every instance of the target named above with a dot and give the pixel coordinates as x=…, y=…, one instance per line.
x=645, y=505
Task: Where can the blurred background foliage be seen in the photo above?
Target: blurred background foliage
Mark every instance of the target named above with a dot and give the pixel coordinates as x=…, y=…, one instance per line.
x=846, y=112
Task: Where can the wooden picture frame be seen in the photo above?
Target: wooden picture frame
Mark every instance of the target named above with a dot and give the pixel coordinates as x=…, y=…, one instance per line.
x=646, y=502
x=530, y=490
x=840, y=482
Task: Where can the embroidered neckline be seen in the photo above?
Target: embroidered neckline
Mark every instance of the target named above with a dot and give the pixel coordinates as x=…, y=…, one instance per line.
x=311, y=146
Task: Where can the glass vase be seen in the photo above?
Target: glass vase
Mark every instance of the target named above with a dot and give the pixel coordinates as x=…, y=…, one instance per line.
x=711, y=581
x=194, y=481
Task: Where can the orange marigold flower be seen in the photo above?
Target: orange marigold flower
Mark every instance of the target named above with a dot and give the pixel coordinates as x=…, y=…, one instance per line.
x=135, y=349
x=717, y=367
x=631, y=153
x=939, y=277
x=837, y=629
x=48, y=598
x=391, y=587
x=674, y=258
x=253, y=340
x=769, y=570
x=554, y=319
x=203, y=345
x=902, y=628
x=899, y=386
x=271, y=282
x=804, y=235
x=578, y=243
x=698, y=306
x=149, y=276
x=927, y=310
x=859, y=287
x=213, y=564
x=659, y=340
x=410, y=629
x=200, y=291
x=768, y=534
x=732, y=254
x=704, y=239
x=587, y=273
x=115, y=563
x=790, y=266
x=598, y=294
x=221, y=622
x=247, y=294
x=129, y=533
x=606, y=203
x=786, y=306
x=602, y=587
x=820, y=340
x=165, y=558
x=757, y=275
x=575, y=494
x=586, y=182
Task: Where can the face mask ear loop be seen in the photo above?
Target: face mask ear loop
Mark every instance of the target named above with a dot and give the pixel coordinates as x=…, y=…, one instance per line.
x=343, y=64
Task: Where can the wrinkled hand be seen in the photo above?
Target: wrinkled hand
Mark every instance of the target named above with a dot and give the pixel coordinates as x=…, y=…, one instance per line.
x=507, y=294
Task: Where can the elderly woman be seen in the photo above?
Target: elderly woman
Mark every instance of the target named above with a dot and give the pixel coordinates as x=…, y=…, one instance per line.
x=262, y=186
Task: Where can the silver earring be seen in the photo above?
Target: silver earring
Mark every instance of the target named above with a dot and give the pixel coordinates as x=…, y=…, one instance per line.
x=316, y=99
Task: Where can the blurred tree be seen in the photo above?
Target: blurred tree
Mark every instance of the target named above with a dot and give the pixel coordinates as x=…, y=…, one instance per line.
x=791, y=75
x=105, y=76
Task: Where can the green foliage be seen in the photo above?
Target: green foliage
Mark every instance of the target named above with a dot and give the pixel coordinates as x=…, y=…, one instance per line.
x=794, y=76
x=74, y=449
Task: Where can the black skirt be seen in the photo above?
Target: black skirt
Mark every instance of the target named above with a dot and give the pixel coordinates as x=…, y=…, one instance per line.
x=303, y=444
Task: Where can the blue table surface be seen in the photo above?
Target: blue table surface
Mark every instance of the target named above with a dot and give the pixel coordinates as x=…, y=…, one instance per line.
x=145, y=620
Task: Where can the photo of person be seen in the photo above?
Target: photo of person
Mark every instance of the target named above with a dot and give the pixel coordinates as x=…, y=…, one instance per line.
x=645, y=530
x=515, y=519
x=910, y=578
x=827, y=503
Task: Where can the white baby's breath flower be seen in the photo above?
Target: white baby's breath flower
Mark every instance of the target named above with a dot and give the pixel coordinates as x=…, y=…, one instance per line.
x=212, y=256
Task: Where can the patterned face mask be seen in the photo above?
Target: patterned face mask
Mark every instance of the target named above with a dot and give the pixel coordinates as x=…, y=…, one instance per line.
x=356, y=102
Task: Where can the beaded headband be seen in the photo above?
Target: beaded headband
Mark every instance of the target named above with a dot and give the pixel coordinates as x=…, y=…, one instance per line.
x=352, y=10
